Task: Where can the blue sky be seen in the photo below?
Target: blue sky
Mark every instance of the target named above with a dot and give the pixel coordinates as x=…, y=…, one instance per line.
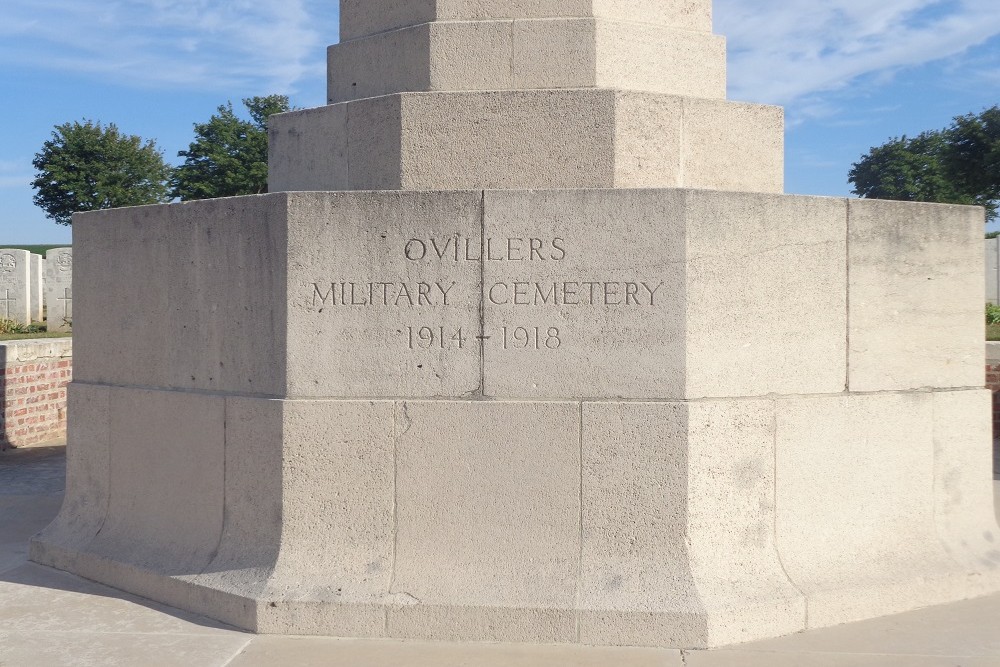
x=849, y=75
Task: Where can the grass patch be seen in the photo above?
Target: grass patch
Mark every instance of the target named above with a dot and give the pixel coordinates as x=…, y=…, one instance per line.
x=37, y=249
x=37, y=334
x=993, y=332
x=13, y=330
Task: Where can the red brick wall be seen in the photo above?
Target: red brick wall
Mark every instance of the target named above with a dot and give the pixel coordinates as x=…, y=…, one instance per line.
x=34, y=400
x=993, y=384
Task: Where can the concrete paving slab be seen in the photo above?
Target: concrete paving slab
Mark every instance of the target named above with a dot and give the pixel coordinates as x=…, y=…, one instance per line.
x=23, y=514
x=961, y=629
x=723, y=658
x=97, y=649
x=34, y=598
x=326, y=652
x=48, y=470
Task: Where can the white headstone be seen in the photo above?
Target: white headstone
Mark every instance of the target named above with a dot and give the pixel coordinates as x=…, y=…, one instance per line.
x=59, y=288
x=15, y=285
x=37, y=270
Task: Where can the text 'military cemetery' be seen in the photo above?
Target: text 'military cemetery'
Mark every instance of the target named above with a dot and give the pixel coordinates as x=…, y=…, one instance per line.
x=527, y=345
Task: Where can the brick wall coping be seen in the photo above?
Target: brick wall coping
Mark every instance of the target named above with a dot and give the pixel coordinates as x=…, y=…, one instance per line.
x=30, y=349
x=993, y=352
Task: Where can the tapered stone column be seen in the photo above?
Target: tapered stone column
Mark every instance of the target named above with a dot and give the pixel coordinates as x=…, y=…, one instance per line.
x=520, y=95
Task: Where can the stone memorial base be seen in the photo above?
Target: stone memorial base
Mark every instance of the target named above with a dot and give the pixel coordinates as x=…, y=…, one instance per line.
x=630, y=417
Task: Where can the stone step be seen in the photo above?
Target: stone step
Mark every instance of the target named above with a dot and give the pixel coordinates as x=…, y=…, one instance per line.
x=529, y=54
x=575, y=138
x=359, y=18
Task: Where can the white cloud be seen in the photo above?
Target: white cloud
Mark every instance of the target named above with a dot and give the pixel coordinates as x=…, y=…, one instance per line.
x=15, y=174
x=788, y=50
x=262, y=45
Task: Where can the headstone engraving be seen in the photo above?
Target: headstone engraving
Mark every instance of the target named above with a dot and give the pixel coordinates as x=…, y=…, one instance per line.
x=15, y=285
x=59, y=289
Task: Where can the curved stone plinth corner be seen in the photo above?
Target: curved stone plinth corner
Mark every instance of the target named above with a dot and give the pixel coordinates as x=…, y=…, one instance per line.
x=527, y=345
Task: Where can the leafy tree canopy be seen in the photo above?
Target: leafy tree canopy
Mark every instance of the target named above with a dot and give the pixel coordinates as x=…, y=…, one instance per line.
x=229, y=155
x=88, y=167
x=957, y=165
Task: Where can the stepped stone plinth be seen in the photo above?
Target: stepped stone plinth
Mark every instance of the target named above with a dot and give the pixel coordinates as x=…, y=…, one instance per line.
x=515, y=95
x=526, y=345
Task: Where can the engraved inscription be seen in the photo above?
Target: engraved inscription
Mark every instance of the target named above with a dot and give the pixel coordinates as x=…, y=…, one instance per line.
x=457, y=249
x=574, y=293
x=381, y=294
x=560, y=293
x=7, y=300
x=509, y=338
x=64, y=262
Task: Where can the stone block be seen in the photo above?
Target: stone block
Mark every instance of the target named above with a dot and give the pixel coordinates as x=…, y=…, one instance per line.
x=162, y=442
x=856, y=526
x=773, y=269
x=487, y=521
x=359, y=18
x=963, y=486
x=15, y=285
x=992, y=256
x=584, y=293
x=525, y=55
x=85, y=505
x=222, y=264
x=620, y=294
x=59, y=289
x=387, y=277
x=310, y=150
x=678, y=511
x=733, y=146
x=916, y=295
x=594, y=138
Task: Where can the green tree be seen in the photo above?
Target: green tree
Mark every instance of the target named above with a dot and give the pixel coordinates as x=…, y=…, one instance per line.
x=957, y=165
x=229, y=155
x=88, y=167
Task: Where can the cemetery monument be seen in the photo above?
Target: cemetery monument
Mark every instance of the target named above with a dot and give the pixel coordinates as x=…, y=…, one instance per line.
x=526, y=344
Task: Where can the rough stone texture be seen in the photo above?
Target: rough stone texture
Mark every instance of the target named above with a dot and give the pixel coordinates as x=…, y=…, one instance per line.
x=552, y=313
x=773, y=269
x=338, y=245
x=677, y=531
x=916, y=292
x=593, y=138
x=859, y=534
x=87, y=469
x=514, y=545
x=524, y=55
x=15, y=285
x=777, y=263
x=59, y=289
x=225, y=263
x=993, y=270
x=359, y=18
x=963, y=485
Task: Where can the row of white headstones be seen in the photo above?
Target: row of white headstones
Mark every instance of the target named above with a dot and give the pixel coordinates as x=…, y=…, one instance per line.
x=35, y=288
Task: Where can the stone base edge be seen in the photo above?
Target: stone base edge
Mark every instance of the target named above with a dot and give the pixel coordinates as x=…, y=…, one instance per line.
x=270, y=614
